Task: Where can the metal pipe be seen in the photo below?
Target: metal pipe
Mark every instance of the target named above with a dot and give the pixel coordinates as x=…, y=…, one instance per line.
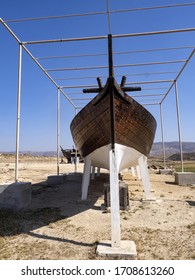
x=108, y=13
x=150, y=104
x=162, y=135
x=154, y=88
x=58, y=130
x=56, y=17
x=34, y=59
x=151, y=33
x=18, y=112
x=81, y=98
x=130, y=83
x=117, y=53
x=179, y=74
x=63, y=40
x=103, y=12
x=129, y=75
x=153, y=8
x=75, y=168
x=79, y=86
x=116, y=66
x=150, y=82
x=146, y=95
x=179, y=126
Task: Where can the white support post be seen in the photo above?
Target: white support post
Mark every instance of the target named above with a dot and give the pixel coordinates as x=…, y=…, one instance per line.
x=76, y=163
x=133, y=171
x=93, y=173
x=145, y=176
x=86, y=178
x=138, y=172
x=162, y=134
x=58, y=131
x=18, y=112
x=179, y=126
x=114, y=199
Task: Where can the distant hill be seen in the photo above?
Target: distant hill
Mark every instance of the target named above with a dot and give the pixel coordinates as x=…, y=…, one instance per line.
x=186, y=156
x=171, y=148
x=34, y=153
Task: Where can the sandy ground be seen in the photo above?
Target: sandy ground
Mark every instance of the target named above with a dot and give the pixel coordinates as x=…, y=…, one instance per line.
x=58, y=226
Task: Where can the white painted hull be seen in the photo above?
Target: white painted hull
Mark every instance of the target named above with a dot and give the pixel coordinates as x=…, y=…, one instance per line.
x=125, y=156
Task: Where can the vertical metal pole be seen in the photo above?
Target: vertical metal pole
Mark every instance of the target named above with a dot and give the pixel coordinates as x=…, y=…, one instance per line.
x=162, y=134
x=108, y=12
x=75, y=149
x=179, y=127
x=58, y=131
x=18, y=112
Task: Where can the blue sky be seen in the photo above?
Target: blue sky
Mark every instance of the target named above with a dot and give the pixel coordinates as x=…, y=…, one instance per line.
x=39, y=98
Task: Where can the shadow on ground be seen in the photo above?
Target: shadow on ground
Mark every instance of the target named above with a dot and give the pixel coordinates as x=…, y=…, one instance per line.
x=52, y=203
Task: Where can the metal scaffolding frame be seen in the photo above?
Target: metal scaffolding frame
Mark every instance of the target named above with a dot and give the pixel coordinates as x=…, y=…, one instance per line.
x=154, y=99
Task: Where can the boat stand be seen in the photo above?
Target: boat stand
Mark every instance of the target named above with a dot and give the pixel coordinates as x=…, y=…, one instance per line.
x=143, y=167
x=115, y=247
x=86, y=178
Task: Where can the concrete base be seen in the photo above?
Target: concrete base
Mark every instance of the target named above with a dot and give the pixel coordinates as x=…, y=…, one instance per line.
x=166, y=171
x=185, y=178
x=56, y=179
x=15, y=196
x=127, y=249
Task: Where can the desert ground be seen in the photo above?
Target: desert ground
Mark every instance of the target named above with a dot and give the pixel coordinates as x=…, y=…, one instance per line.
x=58, y=226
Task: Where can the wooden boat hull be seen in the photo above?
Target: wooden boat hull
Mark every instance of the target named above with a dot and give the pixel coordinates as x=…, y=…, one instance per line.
x=134, y=127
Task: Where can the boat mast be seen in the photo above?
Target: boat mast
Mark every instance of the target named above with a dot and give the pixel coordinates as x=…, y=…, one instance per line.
x=110, y=57
x=111, y=91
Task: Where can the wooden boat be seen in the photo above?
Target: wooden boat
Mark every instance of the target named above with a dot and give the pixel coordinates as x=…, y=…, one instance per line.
x=113, y=120
x=71, y=154
x=134, y=128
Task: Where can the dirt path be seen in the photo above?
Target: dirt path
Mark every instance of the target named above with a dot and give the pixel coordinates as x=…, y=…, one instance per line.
x=58, y=226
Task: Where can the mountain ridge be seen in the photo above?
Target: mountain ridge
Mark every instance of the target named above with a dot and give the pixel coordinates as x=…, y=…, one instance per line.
x=171, y=148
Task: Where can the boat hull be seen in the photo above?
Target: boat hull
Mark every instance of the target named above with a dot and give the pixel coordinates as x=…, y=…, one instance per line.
x=125, y=157
x=134, y=126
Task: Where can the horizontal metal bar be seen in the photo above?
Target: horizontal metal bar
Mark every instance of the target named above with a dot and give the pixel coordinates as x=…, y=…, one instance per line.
x=154, y=88
x=151, y=33
x=114, y=53
x=81, y=104
x=130, y=83
x=153, y=8
x=150, y=104
x=79, y=86
x=149, y=82
x=179, y=74
x=81, y=98
x=55, y=17
x=147, y=95
x=71, y=56
x=128, y=75
x=102, y=12
x=63, y=40
x=34, y=59
x=115, y=66
x=150, y=100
